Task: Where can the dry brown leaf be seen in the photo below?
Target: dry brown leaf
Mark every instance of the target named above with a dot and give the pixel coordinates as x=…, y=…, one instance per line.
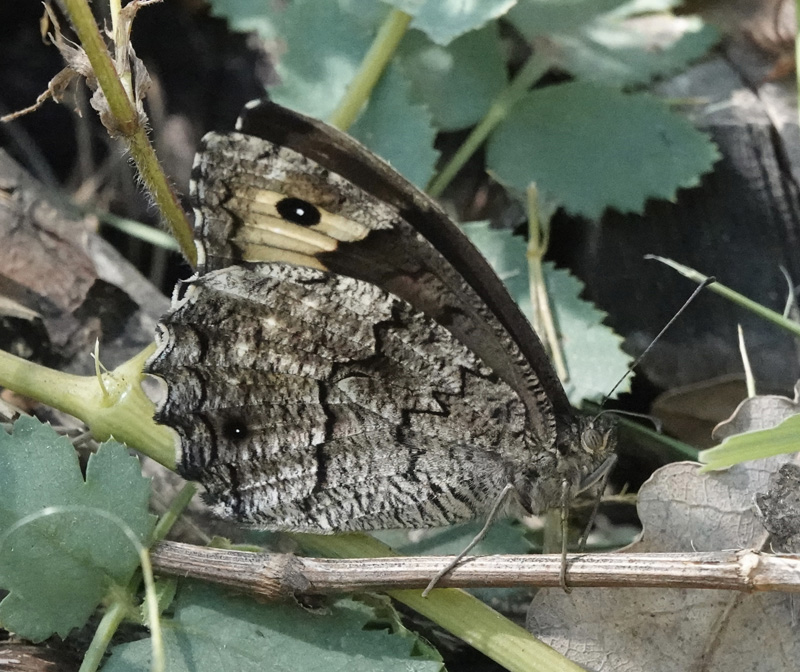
x=756, y=413
x=662, y=630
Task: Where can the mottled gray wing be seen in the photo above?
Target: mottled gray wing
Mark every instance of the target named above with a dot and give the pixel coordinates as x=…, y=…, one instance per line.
x=311, y=401
x=291, y=189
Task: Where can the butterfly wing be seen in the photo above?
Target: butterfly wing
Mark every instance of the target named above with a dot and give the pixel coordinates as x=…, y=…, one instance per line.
x=346, y=358
x=320, y=402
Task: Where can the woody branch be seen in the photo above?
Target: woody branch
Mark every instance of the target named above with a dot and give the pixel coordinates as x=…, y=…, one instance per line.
x=276, y=576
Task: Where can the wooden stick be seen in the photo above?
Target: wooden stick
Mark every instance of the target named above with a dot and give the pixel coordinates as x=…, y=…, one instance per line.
x=279, y=576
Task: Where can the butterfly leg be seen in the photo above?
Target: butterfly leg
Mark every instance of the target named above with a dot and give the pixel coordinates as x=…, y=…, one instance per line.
x=562, y=576
x=496, y=507
x=600, y=490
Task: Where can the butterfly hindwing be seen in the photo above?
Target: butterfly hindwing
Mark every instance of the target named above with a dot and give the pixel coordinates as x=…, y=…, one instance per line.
x=317, y=402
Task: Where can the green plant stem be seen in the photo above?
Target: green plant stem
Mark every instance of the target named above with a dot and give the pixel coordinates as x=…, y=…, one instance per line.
x=532, y=71
x=731, y=295
x=134, y=229
x=175, y=510
x=459, y=612
x=119, y=609
x=372, y=66
x=128, y=126
x=115, y=614
x=542, y=317
x=118, y=407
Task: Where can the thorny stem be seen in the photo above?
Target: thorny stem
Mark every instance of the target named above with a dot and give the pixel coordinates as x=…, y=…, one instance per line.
x=126, y=121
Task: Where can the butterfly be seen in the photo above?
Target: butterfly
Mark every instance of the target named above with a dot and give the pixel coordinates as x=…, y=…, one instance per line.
x=344, y=357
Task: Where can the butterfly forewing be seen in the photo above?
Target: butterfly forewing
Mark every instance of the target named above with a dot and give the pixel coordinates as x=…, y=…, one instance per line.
x=398, y=239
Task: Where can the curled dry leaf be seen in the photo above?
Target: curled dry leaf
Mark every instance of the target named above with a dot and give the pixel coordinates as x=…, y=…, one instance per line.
x=691, y=412
x=757, y=413
x=128, y=66
x=680, y=629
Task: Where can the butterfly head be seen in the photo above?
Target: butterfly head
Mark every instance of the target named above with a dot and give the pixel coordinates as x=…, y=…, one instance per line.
x=588, y=454
x=584, y=453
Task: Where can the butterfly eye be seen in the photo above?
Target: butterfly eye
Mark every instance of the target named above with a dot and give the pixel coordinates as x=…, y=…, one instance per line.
x=591, y=440
x=298, y=211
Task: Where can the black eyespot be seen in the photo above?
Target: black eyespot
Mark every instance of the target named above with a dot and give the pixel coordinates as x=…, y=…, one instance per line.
x=235, y=429
x=298, y=211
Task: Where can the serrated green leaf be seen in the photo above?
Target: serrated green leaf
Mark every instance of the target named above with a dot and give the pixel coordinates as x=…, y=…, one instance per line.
x=325, y=46
x=445, y=21
x=592, y=351
x=398, y=130
x=503, y=537
x=633, y=7
x=386, y=617
x=624, y=54
x=596, y=42
x=369, y=13
x=589, y=148
x=58, y=567
x=780, y=440
x=458, y=82
x=590, y=348
x=534, y=18
x=214, y=630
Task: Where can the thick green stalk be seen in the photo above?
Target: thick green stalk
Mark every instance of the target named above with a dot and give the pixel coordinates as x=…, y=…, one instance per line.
x=111, y=404
x=731, y=295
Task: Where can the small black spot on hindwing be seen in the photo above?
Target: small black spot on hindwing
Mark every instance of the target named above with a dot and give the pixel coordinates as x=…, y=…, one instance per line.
x=235, y=429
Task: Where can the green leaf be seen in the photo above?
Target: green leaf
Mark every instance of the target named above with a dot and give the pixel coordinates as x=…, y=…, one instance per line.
x=535, y=18
x=779, y=440
x=624, y=54
x=504, y=536
x=603, y=46
x=58, y=567
x=214, y=630
x=457, y=82
x=633, y=7
x=589, y=147
x=445, y=21
x=325, y=46
x=592, y=351
x=368, y=13
x=398, y=130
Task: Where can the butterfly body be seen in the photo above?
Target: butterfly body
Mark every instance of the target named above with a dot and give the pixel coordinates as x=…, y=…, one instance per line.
x=345, y=358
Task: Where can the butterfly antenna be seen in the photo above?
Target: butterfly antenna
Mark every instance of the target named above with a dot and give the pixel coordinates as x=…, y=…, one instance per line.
x=657, y=424
x=638, y=360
